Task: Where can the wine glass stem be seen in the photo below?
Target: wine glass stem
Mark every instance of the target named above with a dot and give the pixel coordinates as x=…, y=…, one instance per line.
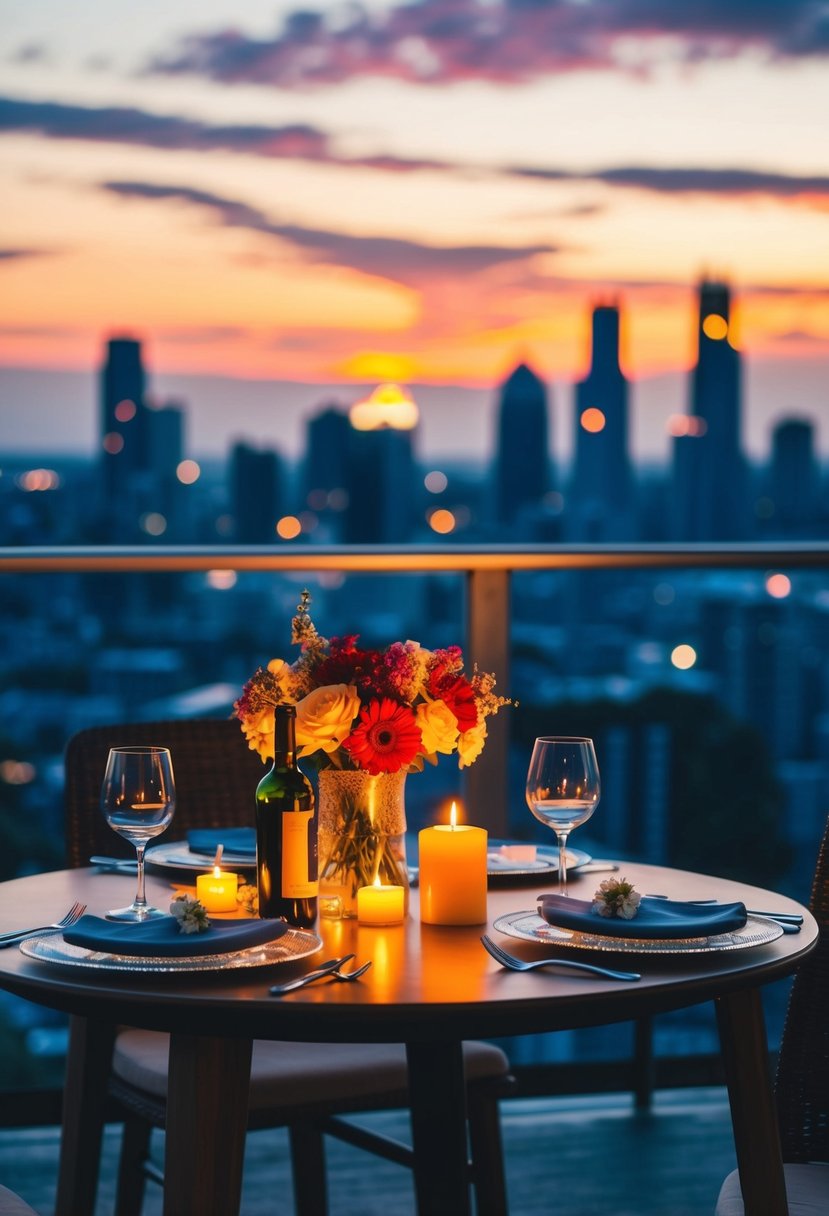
x=562, y=862
x=140, y=900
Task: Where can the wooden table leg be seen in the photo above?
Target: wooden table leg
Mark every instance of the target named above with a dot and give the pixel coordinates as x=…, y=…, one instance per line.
x=437, y=1092
x=88, y=1065
x=207, y=1113
x=745, y=1055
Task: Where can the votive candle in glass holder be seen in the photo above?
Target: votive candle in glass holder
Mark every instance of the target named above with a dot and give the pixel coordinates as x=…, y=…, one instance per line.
x=216, y=891
x=381, y=905
x=453, y=874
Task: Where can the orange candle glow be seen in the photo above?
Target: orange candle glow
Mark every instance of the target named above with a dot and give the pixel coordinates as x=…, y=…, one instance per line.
x=217, y=891
x=453, y=874
x=380, y=905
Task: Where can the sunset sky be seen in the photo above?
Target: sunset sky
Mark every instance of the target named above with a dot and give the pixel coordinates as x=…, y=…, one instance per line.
x=423, y=192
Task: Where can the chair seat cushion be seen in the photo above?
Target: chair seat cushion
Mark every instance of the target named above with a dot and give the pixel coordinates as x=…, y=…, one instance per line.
x=280, y=1072
x=13, y=1205
x=807, y=1190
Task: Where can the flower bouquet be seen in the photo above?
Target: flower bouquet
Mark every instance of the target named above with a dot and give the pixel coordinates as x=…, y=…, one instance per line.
x=364, y=719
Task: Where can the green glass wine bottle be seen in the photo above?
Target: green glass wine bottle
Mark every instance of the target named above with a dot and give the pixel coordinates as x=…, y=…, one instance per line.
x=286, y=832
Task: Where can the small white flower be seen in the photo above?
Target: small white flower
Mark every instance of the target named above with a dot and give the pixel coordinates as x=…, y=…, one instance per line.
x=190, y=914
x=616, y=897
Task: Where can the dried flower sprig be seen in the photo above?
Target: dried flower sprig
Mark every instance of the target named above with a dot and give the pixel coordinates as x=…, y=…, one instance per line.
x=616, y=897
x=247, y=896
x=190, y=914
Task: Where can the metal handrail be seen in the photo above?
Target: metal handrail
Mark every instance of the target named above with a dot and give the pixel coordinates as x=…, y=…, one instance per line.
x=488, y=570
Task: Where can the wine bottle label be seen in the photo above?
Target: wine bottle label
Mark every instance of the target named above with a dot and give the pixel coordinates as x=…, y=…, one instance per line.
x=296, y=863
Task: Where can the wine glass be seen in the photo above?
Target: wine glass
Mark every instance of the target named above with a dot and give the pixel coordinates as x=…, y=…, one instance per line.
x=138, y=798
x=563, y=788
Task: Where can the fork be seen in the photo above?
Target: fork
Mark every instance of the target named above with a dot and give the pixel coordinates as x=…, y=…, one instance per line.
x=72, y=917
x=518, y=964
x=330, y=970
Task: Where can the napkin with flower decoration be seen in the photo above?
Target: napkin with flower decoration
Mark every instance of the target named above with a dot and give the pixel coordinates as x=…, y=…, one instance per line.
x=162, y=937
x=655, y=918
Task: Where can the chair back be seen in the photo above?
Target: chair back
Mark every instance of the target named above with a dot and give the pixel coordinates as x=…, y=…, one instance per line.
x=802, y=1084
x=216, y=777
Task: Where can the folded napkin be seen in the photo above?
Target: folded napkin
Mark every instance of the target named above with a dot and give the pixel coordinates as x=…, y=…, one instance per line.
x=656, y=918
x=240, y=842
x=161, y=937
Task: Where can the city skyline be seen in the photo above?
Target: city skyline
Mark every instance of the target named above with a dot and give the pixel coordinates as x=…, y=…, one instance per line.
x=428, y=193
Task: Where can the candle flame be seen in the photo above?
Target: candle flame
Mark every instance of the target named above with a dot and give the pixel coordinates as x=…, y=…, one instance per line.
x=377, y=882
x=217, y=873
x=453, y=816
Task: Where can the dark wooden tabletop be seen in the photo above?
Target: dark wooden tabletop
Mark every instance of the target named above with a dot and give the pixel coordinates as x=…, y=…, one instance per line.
x=425, y=980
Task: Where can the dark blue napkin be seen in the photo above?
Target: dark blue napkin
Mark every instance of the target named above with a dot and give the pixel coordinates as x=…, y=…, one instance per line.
x=656, y=918
x=161, y=936
x=241, y=842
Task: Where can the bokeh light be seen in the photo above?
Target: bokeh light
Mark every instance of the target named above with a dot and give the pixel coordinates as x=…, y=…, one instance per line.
x=288, y=527
x=593, y=420
x=778, y=586
x=715, y=327
x=683, y=656
x=442, y=521
x=436, y=482
x=188, y=472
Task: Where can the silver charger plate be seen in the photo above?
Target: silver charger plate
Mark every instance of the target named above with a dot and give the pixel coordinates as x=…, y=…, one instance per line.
x=546, y=861
x=530, y=927
x=292, y=945
x=176, y=855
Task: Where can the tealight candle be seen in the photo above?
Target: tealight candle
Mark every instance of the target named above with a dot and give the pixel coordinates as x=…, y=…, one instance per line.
x=453, y=874
x=216, y=891
x=380, y=905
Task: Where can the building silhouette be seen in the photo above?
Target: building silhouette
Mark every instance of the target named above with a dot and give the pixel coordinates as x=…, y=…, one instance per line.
x=254, y=494
x=794, y=482
x=522, y=472
x=380, y=475
x=124, y=439
x=710, y=472
x=600, y=503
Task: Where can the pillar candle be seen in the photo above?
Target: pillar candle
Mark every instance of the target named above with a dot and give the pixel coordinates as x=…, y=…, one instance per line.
x=380, y=905
x=216, y=891
x=452, y=875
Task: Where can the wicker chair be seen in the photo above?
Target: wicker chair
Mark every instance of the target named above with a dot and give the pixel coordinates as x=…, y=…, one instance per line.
x=304, y=1086
x=802, y=1081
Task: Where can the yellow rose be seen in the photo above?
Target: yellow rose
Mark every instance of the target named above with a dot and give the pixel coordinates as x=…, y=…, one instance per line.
x=438, y=727
x=284, y=676
x=471, y=744
x=324, y=718
x=258, y=730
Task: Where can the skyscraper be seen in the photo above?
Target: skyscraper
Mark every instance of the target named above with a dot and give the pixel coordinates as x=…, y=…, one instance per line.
x=254, y=494
x=599, y=504
x=795, y=488
x=124, y=438
x=381, y=473
x=522, y=472
x=718, y=483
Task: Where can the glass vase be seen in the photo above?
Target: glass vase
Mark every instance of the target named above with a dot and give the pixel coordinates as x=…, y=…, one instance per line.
x=362, y=836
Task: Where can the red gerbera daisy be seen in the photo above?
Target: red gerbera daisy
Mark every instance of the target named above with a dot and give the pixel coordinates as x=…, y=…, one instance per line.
x=459, y=695
x=386, y=739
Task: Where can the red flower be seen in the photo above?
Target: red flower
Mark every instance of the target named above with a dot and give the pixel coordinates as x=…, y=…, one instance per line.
x=459, y=696
x=387, y=738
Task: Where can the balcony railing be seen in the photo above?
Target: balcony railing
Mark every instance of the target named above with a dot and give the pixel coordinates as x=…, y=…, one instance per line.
x=488, y=571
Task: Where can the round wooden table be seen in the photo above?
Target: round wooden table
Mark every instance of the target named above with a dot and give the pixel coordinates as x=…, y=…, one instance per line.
x=429, y=987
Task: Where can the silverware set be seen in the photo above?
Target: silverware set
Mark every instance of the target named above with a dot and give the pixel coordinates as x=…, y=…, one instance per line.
x=518, y=964
x=20, y=935
x=329, y=970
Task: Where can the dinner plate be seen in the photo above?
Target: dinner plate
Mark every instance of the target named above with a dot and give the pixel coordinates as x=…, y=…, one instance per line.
x=500, y=864
x=292, y=945
x=176, y=855
x=529, y=927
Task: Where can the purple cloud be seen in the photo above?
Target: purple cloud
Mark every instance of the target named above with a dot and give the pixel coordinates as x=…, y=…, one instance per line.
x=389, y=257
x=13, y=255
x=502, y=41
x=689, y=180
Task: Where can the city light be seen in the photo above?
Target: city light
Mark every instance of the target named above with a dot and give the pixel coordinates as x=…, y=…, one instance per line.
x=679, y=425
x=38, y=480
x=112, y=443
x=436, y=482
x=125, y=411
x=288, y=527
x=17, y=772
x=221, y=580
x=593, y=420
x=188, y=472
x=153, y=523
x=442, y=521
x=778, y=586
x=715, y=327
x=683, y=657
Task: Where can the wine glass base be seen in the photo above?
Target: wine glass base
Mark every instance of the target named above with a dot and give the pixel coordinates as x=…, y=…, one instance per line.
x=135, y=914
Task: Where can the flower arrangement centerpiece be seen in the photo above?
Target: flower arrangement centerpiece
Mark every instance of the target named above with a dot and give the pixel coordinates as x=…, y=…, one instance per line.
x=365, y=718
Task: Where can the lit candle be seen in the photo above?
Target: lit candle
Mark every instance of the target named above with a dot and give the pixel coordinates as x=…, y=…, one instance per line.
x=217, y=891
x=453, y=874
x=380, y=905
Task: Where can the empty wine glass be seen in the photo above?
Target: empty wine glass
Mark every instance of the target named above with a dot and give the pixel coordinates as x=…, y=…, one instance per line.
x=563, y=788
x=138, y=798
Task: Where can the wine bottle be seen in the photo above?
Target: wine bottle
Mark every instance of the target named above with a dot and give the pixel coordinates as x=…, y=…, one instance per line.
x=286, y=832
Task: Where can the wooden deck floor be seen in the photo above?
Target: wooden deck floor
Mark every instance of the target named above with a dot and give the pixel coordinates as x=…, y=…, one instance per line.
x=565, y=1157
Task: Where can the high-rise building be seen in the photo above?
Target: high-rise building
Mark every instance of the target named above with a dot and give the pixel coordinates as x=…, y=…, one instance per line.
x=326, y=456
x=124, y=439
x=254, y=494
x=381, y=474
x=795, y=482
x=522, y=465
x=718, y=477
x=599, y=503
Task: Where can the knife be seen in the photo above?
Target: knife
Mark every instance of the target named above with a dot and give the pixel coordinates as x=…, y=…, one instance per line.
x=324, y=969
